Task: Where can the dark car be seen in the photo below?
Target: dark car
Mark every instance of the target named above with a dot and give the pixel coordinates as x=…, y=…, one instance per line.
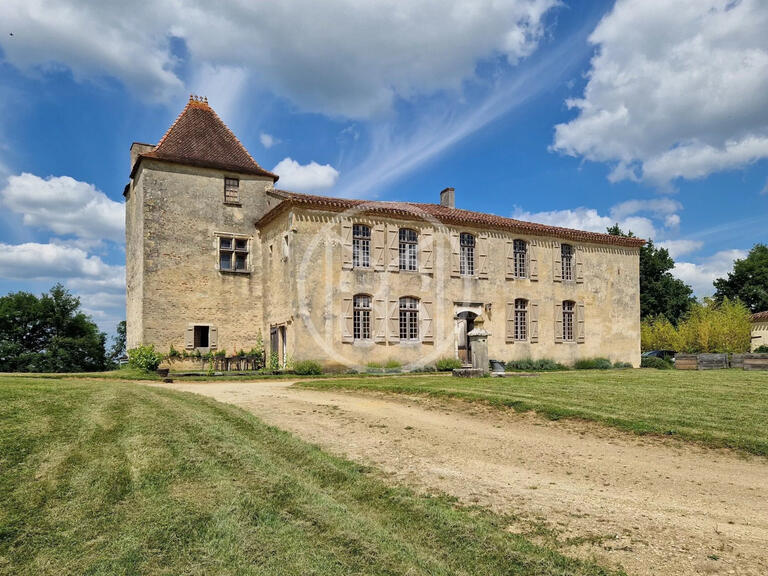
x=664, y=354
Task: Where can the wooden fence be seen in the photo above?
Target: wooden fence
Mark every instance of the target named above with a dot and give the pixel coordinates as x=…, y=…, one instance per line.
x=720, y=361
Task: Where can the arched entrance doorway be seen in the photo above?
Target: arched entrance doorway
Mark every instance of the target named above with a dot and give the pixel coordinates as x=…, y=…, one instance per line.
x=465, y=322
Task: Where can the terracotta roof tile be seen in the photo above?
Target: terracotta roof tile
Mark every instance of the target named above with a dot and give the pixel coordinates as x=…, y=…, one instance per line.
x=760, y=317
x=442, y=214
x=199, y=137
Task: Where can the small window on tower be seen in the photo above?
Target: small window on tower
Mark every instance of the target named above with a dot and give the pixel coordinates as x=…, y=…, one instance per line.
x=233, y=254
x=231, y=191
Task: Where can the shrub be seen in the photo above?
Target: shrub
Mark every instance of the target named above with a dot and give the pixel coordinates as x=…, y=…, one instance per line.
x=447, y=364
x=529, y=365
x=654, y=362
x=144, y=358
x=307, y=368
x=274, y=362
x=593, y=364
x=174, y=354
x=761, y=349
x=622, y=365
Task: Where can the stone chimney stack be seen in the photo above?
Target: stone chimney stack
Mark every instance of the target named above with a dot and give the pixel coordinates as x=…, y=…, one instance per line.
x=448, y=198
x=137, y=148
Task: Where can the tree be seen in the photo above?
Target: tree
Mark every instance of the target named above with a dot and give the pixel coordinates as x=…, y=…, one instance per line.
x=118, y=343
x=48, y=334
x=748, y=282
x=660, y=292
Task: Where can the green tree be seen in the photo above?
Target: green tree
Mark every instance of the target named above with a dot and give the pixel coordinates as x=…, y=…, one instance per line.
x=118, y=343
x=48, y=334
x=660, y=292
x=748, y=282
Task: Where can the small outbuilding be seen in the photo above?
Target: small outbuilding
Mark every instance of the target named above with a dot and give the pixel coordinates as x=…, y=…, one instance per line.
x=759, y=330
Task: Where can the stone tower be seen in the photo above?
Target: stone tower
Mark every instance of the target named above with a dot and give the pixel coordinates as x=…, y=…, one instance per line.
x=193, y=258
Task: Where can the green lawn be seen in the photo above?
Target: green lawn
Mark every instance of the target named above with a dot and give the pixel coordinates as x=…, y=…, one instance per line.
x=105, y=477
x=718, y=408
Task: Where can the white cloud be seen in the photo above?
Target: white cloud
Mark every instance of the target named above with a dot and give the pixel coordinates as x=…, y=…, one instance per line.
x=332, y=57
x=224, y=86
x=267, y=140
x=656, y=206
x=678, y=248
x=34, y=261
x=65, y=206
x=589, y=219
x=675, y=90
x=701, y=276
x=305, y=177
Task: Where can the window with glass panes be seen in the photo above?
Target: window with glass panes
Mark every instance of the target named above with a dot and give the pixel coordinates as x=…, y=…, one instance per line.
x=566, y=255
x=362, y=317
x=231, y=190
x=467, y=258
x=521, y=319
x=361, y=246
x=233, y=254
x=520, y=248
x=408, y=243
x=409, y=318
x=568, y=309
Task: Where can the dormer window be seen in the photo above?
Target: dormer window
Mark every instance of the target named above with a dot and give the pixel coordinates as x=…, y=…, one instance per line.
x=231, y=191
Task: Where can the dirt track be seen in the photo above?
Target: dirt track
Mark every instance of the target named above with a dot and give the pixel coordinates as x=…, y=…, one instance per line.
x=650, y=505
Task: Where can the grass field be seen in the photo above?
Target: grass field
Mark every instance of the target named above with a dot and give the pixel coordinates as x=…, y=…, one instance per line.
x=724, y=408
x=104, y=477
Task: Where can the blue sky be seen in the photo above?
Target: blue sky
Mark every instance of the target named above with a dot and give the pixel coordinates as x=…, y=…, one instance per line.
x=651, y=113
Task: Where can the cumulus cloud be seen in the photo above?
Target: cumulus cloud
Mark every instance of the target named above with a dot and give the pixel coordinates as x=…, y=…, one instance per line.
x=338, y=58
x=267, y=140
x=35, y=261
x=64, y=206
x=305, y=177
x=675, y=90
x=700, y=276
x=677, y=248
x=588, y=219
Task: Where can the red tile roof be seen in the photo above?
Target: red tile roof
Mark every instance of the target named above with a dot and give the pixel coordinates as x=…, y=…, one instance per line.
x=443, y=214
x=199, y=137
x=760, y=317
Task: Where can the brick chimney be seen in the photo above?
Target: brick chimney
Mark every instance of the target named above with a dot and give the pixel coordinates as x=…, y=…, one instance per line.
x=448, y=198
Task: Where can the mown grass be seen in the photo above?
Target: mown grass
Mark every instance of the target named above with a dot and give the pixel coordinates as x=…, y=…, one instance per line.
x=120, y=478
x=722, y=408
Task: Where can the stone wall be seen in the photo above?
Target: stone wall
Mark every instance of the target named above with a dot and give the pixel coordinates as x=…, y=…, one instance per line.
x=311, y=287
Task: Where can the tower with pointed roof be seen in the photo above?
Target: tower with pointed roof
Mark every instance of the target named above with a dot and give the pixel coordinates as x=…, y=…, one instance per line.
x=218, y=259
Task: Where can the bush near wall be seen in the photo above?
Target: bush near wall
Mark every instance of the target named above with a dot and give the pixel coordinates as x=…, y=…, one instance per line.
x=144, y=358
x=709, y=327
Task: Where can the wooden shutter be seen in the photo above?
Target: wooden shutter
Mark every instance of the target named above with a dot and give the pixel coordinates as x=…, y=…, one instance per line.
x=482, y=262
x=455, y=251
x=189, y=338
x=346, y=245
x=579, y=263
x=427, y=249
x=213, y=337
x=380, y=320
x=557, y=265
x=426, y=324
x=347, y=317
x=393, y=247
x=510, y=323
x=533, y=322
x=394, y=320
x=533, y=262
x=581, y=334
x=559, y=322
x=379, y=238
x=510, y=269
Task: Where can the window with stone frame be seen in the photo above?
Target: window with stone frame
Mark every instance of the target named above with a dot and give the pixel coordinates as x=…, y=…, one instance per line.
x=362, y=317
x=231, y=191
x=566, y=258
x=520, y=248
x=569, y=308
x=233, y=254
x=409, y=318
x=467, y=256
x=361, y=246
x=521, y=319
x=408, y=247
